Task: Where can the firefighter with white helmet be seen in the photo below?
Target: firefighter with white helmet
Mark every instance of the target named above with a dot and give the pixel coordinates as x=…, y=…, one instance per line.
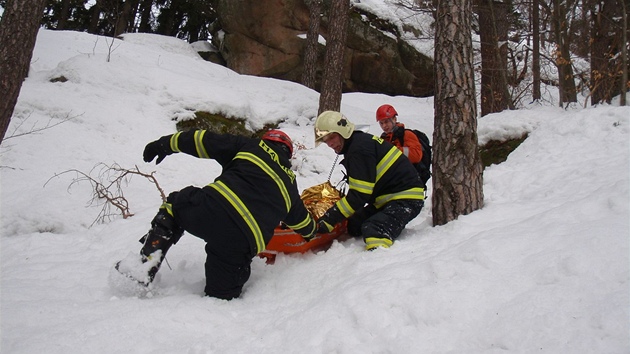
x=385, y=192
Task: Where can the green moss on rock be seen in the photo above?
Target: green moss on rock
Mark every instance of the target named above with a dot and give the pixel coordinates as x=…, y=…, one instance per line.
x=496, y=151
x=221, y=124
x=215, y=122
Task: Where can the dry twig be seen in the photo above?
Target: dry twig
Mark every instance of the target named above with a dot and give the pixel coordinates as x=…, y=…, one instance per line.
x=108, y=187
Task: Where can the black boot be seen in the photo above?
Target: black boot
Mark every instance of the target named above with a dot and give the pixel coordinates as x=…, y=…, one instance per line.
x=163, y=234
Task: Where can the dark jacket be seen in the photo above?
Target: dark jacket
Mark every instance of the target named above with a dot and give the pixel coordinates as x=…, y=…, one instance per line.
x=377, y=174
x=256, y=186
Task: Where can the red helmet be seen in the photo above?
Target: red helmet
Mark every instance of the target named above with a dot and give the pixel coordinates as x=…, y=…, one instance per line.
x=385, y=111
x=279, y=137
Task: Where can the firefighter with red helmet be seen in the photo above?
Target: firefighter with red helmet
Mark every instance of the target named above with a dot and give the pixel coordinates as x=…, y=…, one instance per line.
x=230, y=214
x=394, y=132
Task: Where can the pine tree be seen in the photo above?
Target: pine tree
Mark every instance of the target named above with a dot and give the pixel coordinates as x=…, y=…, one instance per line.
x=457, y=166
x=18, y=32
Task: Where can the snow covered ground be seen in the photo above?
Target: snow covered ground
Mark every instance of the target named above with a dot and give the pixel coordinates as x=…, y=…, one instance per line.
x=543, y=267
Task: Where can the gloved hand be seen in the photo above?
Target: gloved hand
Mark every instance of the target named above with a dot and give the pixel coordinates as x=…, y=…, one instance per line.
x=160, y=148
x=309, y=237
x=323, y=227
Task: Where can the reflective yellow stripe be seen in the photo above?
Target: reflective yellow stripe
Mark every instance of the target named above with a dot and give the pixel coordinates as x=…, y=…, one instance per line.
x=387, y=161
x=175, y=142
x=240, y=207
x=302, y=224
x=345, y=208
x=361, y=186
x=374, y=242
x=201, y=150
x=274, y=157
x=413, y=193
x=269, y=171
x=168, y=207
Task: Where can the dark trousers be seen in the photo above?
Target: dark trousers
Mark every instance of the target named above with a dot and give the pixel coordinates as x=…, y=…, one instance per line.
x=228, y=253
x=387, y=222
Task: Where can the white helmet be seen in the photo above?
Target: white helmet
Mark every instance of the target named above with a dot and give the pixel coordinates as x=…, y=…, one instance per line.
x=332, y=122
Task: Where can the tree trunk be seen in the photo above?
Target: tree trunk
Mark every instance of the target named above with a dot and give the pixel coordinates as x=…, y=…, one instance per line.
x=457, y=167
x=536, y=50
x=332, y=80
x=133, y=14
x=310, y=51
x=18, y=33
x=122, y=22
x=145, y=16
x=63, y=16
x=95, y=15
x=568, y=92
x=493, y=33
x=606, y=43
x=167, y=22
x=625, y=84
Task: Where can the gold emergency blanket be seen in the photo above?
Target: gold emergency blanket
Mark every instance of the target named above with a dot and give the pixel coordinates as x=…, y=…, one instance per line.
x=320, y=198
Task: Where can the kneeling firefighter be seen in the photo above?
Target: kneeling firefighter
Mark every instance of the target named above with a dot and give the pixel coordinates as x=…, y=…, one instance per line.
x=385, y=191
x=236, y=214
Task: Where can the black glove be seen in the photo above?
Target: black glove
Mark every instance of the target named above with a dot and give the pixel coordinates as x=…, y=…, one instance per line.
x=309, y=237
x=323, y=227
x=160, y=148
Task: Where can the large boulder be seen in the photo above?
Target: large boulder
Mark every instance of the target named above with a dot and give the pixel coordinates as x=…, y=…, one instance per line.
x=267, y=38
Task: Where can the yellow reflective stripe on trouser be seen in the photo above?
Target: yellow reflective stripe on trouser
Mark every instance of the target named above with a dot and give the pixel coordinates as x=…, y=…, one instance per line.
x=374, y=242
x=175, y=142
x=413, y=193
x=201, y=150
x=237, y=203
x=269, y=171
x=168, y=207
x=387, y=161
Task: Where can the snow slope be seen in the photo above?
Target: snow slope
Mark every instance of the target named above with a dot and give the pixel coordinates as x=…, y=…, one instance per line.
x=543, y=267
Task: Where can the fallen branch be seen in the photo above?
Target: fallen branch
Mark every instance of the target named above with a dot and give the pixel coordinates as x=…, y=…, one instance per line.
x=107, y=186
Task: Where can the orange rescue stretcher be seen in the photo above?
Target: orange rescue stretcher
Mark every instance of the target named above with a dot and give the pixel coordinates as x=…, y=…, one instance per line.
x=317, y=200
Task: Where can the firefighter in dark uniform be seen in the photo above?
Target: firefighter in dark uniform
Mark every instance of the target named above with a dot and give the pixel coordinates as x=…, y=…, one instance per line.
x=236, y=214
x=385, y=192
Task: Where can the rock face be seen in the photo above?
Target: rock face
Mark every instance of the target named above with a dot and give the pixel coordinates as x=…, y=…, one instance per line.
x=267, y=38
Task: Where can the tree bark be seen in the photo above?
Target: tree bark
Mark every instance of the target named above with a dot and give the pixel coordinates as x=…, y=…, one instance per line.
x=493, y=33
x=18, y=33
x=312, y=36
x=457, y=167
x=95, y=14
x=145, y=16
x=568, y=92
x=536, y=50
x=122, y=22
x=625, y=84
x=332, y=80
x=63, y=15
x=606, y=45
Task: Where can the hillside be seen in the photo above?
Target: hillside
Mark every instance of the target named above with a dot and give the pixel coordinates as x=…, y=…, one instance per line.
x=543, y=267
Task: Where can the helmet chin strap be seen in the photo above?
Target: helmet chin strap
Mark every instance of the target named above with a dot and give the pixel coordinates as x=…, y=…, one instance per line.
x=333, y=167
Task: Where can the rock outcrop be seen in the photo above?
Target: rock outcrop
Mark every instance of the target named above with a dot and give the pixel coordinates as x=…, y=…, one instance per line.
x=267, y=38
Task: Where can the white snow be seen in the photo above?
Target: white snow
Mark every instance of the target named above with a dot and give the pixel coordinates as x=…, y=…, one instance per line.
x=543, y=267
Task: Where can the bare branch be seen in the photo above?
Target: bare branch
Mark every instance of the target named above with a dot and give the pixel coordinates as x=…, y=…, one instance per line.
x=35, y=129
x=107, y=185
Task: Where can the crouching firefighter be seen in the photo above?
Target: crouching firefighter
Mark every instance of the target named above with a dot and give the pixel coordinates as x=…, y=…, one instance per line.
x=385, y=192
x=236, y=214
